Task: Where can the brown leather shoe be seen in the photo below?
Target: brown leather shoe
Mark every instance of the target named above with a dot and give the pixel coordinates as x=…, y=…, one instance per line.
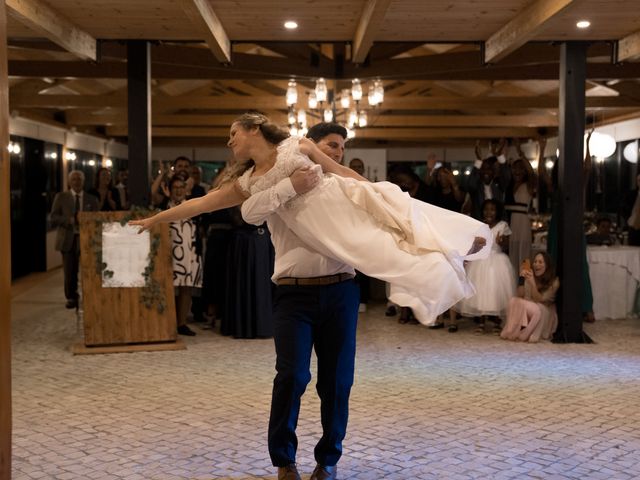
x=290, y=472
x=324, y=473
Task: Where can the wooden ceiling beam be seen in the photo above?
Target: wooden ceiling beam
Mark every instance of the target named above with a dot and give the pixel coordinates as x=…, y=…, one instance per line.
x=629, y=47
x=243, y=87
x=388, y=50
x=402, y=90
x=531, y=121
x=630, y=89
x=177, y=61
x=204, y=17
x=369, y=24
x=269, y=102
x=215, y=132
x=522, y=28
x=300, y=51
x=79, y=117
x=62, y=69
x=373, y=133
x=41, y=18
x=442, y=133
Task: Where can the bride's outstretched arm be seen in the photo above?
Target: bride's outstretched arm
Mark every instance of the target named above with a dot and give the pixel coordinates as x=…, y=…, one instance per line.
x=228, y=196
x=310, y=149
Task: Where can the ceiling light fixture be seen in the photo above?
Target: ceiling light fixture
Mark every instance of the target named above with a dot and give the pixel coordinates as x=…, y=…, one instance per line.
x=583, y=24
x=290, y=25
x=329, y=105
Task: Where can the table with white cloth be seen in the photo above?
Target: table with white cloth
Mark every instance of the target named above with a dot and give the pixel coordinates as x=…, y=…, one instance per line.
x=615, y=277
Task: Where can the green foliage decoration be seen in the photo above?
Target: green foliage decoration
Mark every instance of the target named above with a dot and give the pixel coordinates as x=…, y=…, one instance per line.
x=152, y=292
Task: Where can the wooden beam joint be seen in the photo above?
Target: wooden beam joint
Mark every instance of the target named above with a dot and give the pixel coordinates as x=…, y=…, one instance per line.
x=202, y=15
x=38, y=16
x=370, y=21
x=522, y=28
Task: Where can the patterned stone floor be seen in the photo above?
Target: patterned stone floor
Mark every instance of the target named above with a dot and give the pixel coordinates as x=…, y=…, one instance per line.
x=427, y=404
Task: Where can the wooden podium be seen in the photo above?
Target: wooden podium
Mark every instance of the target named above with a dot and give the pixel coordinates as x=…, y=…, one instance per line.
x=125, y=319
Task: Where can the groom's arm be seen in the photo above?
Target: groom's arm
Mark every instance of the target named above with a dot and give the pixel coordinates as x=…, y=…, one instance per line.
x=259, y=206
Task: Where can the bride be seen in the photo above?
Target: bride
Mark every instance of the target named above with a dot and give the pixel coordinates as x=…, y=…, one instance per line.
x=375, y=227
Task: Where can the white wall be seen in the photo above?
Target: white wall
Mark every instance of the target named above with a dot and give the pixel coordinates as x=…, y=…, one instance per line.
x=374, y=159
x=28, y=128
x=67, y=138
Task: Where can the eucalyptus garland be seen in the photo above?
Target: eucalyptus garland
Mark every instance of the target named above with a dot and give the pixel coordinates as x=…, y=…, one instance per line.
x=152, y=293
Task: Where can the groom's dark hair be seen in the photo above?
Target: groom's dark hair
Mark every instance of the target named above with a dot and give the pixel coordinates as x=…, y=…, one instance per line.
x=321, y=130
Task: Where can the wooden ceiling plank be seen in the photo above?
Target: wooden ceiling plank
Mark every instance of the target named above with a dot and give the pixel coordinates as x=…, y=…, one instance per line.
x=40, y=17
x=370, y=21
x=203, y=16
x=629, y=47
x=522, y=28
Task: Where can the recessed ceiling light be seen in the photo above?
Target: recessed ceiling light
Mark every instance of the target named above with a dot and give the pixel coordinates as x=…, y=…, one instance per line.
x=290, y=25
x=583, y=24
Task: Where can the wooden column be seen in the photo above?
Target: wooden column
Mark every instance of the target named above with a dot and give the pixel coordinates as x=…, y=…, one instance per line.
x=5, y=264
x=573, y=59
x=139, y=116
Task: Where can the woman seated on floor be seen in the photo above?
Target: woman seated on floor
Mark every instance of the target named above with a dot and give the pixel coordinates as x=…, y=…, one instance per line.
x=531, y=315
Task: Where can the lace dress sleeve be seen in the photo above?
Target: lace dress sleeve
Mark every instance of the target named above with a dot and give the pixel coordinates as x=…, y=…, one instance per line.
x=244, y=182
x=290, y=158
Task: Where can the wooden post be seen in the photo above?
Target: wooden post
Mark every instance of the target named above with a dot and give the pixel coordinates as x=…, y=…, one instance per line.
x=139, y=115
x=573, y=60
x=5, y=264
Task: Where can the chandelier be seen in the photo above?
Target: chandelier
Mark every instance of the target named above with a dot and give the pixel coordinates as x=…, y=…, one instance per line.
x=344, y=107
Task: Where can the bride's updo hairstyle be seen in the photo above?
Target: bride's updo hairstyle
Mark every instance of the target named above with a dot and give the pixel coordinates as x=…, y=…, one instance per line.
x=271, y=132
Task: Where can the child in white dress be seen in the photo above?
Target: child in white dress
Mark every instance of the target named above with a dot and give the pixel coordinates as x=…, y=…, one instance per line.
x=493, y=276
x=375, y=227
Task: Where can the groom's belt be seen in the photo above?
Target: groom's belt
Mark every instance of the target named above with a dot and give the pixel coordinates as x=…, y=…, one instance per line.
x=326, y=280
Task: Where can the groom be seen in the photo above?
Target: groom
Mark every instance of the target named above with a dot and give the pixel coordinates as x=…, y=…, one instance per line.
x=315, y=307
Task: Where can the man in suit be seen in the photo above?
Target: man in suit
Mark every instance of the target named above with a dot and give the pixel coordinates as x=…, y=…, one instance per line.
x=64, y=215
x=315, y=307
x=488, y=179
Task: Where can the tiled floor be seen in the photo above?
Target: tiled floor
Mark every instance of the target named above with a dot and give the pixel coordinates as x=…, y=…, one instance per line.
x=426, y=404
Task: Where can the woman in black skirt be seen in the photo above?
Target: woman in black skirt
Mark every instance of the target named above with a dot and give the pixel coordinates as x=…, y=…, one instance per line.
x=249, y=305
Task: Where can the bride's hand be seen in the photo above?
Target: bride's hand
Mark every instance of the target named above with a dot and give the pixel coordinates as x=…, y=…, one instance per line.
x=144, y=224
x=306, y=146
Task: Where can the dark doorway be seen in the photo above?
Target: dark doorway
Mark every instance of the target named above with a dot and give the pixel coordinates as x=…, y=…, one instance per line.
x=34, y=177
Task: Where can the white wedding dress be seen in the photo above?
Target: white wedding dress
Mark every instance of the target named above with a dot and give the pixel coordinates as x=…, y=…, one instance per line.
x=381, y=231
